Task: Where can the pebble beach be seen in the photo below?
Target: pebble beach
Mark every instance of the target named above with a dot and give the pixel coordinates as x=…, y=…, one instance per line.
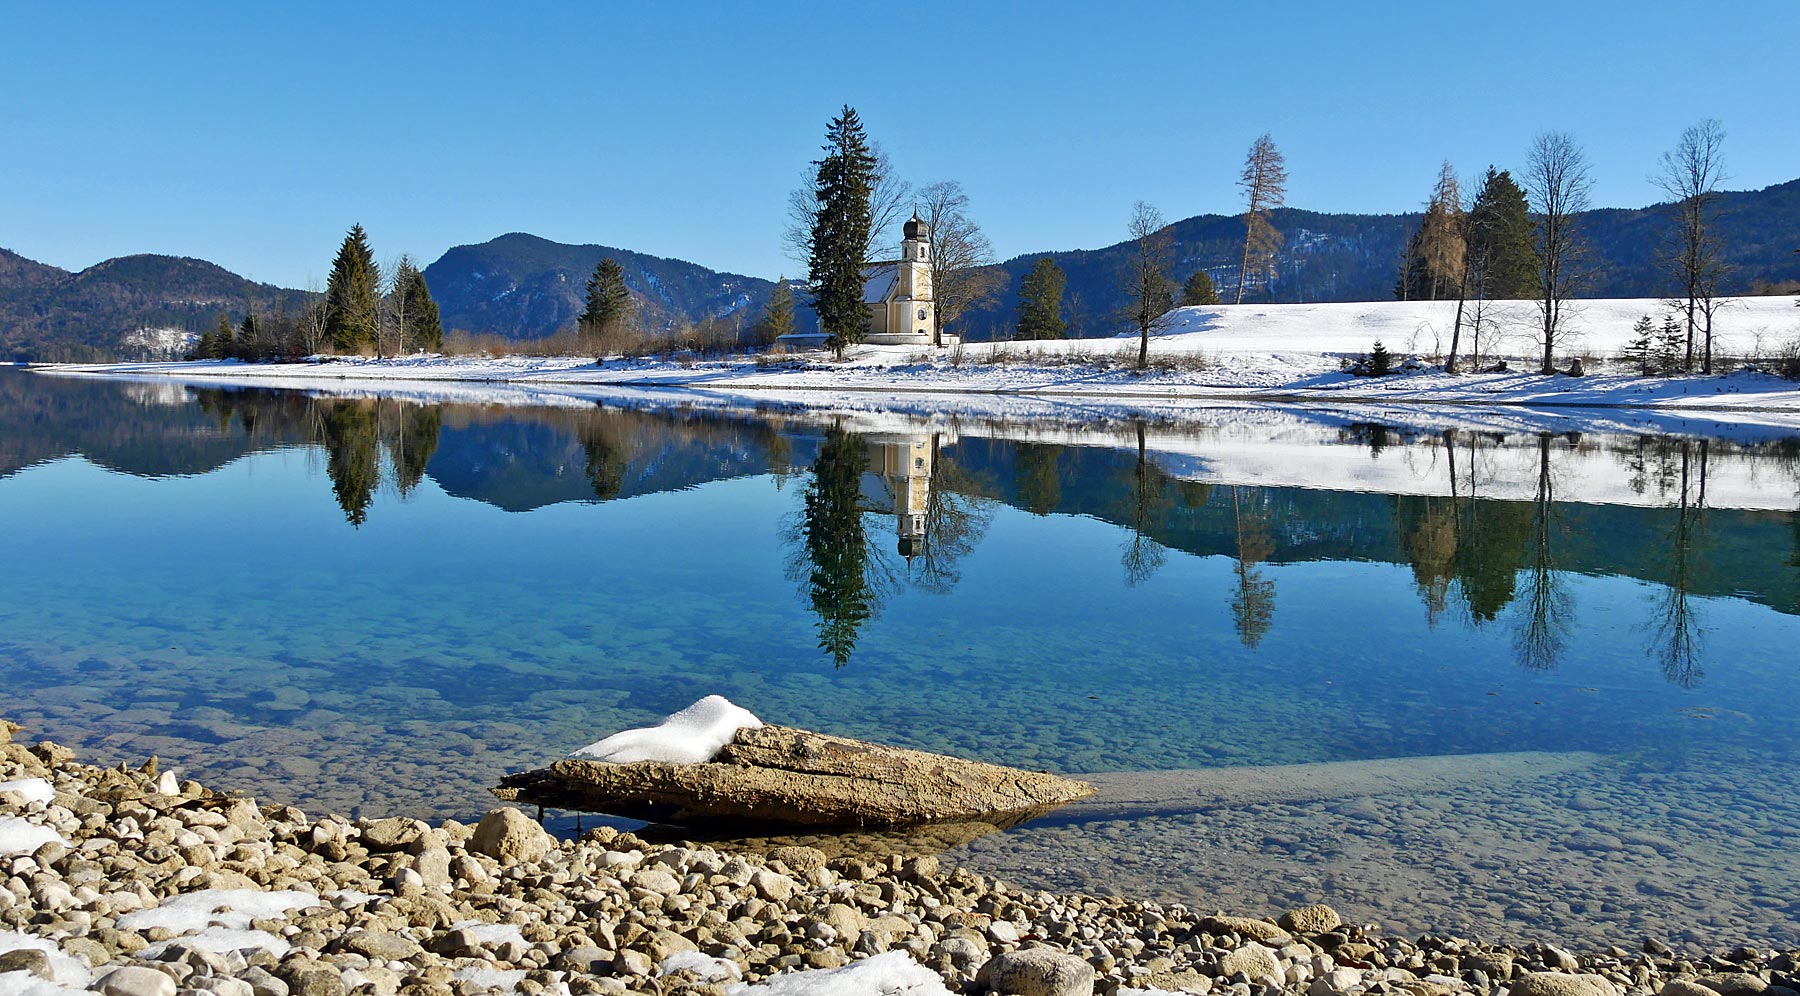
x=130, y=881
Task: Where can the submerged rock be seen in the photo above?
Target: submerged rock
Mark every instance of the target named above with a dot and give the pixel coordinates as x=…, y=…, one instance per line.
x=779, y=776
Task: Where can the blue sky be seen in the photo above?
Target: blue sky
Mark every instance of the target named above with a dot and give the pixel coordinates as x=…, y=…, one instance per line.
x=254, y=135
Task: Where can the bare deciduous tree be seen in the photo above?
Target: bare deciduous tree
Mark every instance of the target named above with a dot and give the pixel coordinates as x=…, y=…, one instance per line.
x=962, y=272
x=1149, y=291
x=1691, y=173
x=1265, y=188
x=315, y=325
x=890, y=201
x=1557, y=180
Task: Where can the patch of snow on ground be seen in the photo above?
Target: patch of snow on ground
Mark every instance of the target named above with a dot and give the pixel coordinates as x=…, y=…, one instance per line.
x=891, y=974
x=491, y=933
x=21, y=836
x=691, y=736
x=506, y=979
x=232, y=909
x=220, y=940
x=31, y=789
x=708, y=968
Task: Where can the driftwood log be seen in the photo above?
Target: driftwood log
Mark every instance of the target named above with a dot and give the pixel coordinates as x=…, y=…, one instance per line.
x=781, y=777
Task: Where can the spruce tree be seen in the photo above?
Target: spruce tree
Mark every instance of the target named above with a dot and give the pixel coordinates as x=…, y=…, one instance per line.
x=224, y=341
x=1040, y=302
x=1199, y=290
x=1500, y=230
x=352, y=294
x=609, y=305
x=424, y=329
x=778, y=315
x=1641, y=350
x=249, y=338
x=842, y=187
x=1671, y=345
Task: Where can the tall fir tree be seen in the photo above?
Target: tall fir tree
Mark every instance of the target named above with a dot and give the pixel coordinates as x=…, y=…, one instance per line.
x=1500, y=230
x=224, y=339
x=778, y=314
x=609, y=304
x=248, y=345
x=1040, y=302
x=843, y=184
x=1199, y=290
x=424, y=329
x=352, y=294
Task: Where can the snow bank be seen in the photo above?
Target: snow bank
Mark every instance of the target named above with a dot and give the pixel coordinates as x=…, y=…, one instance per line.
x=691, y=736
x=232, y=909
x=891, y=974
x=32, y=789
x=708, y=968
x=219, y=940
x=65, y=970
x=21, y=836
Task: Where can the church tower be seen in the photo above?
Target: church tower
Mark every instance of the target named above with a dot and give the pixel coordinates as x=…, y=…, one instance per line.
x=915, y=304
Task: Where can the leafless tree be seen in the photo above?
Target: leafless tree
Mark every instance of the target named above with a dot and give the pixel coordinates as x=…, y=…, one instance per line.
x=315, y=330
x=1691, y=173
x=1150, y=294
x=1543, y=630
x=1253, y=600
x=890, y=202
x=963, y=274
x=1557, y=179
x=1680, y=632
x=1265, y=188
x=1144, y=505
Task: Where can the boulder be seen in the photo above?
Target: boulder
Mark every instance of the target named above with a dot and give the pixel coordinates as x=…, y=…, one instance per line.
x=1562, y=984
x=1313, y=919
x=1036, y=972
x=1254, y=960
x=134, y=980
x=510, y=837
x=780, y=776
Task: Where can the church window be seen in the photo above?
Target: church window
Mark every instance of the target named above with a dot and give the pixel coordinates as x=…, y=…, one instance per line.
x=921, y=314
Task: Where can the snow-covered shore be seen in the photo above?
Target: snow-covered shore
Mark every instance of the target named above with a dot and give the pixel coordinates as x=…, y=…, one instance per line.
x=1291, y=352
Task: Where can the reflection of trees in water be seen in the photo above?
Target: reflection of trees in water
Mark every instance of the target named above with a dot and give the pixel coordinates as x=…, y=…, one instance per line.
x=606, y=443
x=834, y=545
x=352, y=459
x=1253, y=597
x=958, y=509
x=1545, y=608
x=1146, y=499
x=1676, y=643
x=1040, y=487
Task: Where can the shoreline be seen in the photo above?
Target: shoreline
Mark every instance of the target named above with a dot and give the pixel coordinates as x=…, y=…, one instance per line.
x=136, y=883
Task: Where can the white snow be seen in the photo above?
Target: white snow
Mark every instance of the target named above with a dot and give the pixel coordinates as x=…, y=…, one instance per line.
x=232, y=909
x=32, y=789
x=691, y=736
x=891, y=974
x=220, y=940
x=26, y=984
x=66, y=970
x=490, y=933
x=708, y=968
x=505, y=979
x=21, y=836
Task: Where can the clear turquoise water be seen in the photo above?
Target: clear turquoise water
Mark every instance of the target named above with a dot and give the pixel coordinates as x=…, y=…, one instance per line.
x=177, y=583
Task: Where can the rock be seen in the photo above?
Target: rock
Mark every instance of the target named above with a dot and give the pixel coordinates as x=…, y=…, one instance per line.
x=772, y=886
x=393, y=834
x=1562, y=961
x=433, y=866
x=1498, y=965
x=1004, y=932
x=1575, y=367
x=583, y=958
x=1256, y=930
x=1313, y=919
x=380, y=945
x=1252, y=959
x=135, y=981
x=264, y=984
x=316, y=982
x=1735, y=983
x=960, y=954
x=38, y=963
x=1562, y=984
x=510, y=837
x=1036, y=972
x=632, y=963
x=799, y=860
x=657, y=880
x=1684, y=987
x=781, y=776
x=1338, y=980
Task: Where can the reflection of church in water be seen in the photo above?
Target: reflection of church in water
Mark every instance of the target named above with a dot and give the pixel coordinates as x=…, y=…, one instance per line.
x=901, y=465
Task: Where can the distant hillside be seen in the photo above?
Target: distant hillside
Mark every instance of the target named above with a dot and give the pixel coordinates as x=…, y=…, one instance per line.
x=47, y=313
x=1356, y=257
x=521, y=286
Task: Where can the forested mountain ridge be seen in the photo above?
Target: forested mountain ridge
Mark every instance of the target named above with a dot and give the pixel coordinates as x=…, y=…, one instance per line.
x=520, y=286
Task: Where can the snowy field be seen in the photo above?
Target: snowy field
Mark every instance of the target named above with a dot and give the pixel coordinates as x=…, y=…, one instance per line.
x=1242, y=352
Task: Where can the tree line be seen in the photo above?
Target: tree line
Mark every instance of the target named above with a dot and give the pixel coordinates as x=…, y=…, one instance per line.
x=362, y=311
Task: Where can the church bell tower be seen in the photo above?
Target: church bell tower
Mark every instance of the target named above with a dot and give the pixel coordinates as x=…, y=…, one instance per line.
x=917, y=307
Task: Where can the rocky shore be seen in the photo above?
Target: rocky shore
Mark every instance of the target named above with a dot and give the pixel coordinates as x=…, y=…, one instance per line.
x=130, y=882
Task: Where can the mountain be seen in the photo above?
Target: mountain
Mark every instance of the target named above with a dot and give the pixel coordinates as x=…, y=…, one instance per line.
x=521, y=286
x=47, y=313
x=1356, y=257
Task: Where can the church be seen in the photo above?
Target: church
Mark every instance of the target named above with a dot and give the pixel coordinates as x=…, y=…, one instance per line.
x=897, y=293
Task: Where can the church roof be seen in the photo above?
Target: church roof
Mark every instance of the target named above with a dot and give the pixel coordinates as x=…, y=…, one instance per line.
x=878, y=281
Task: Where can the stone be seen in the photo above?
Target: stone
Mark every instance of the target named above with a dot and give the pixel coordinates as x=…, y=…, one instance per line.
x=1314, y=919
x=583, y=958
x=38, y=963
x=1562, y=961
x=380, y=945
x=772, y=886
x=632, y=963
x=1735, y=983
x=433, y=866
x=135, y=981
x=799, y=859
x=316, y=982
x=393, y=834
x=1036, y=972
x=264, y=984
x=1004, y=932
x=1684, y=987
x=1243, y=926
x=1562, y=984
x=1252, y=959
x=658, y=880
x=510, y=837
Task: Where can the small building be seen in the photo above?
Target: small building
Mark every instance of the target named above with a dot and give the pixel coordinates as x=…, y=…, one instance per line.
x=898, y=296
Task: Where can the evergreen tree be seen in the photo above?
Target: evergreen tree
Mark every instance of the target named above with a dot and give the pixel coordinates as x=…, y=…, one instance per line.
x=1500, y=230
x=609, y=305
x=778, y=314
x=424, y=329
x=248, y=345
x=352, y=295
x=1199, y=290
x=1040, y=302
x=224, y=344
x=1671, y=345
x=1381, y=362
x=208, y=346
x=842, y=187
x=1641, y=350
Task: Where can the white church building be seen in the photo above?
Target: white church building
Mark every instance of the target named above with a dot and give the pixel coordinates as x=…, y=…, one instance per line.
x=897, y=296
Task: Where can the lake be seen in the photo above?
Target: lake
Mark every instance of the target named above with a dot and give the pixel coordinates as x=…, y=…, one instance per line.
x=1545, y=660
